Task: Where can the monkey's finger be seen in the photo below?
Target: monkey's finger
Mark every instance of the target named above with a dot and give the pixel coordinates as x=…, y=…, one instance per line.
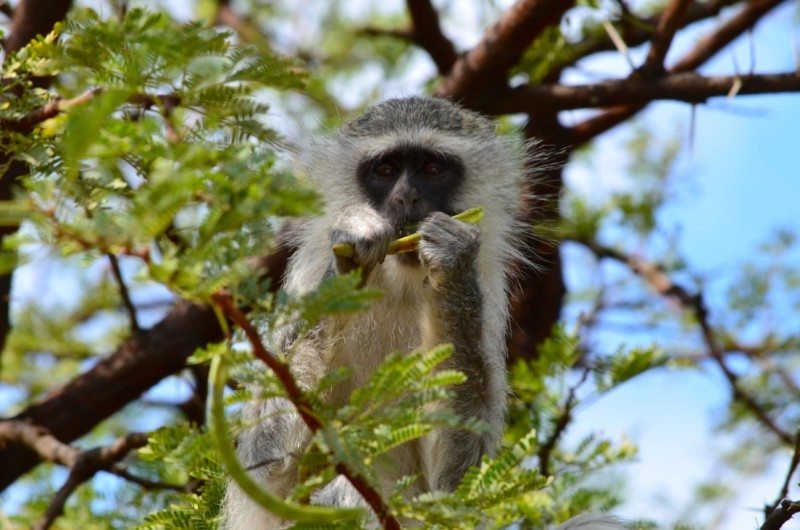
x=345, y=264
x=410, y=243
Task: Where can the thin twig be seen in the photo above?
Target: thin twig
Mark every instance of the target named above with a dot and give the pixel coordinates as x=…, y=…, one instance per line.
x=793, y=464
x=781, y=515
x=634, y=34
x=669, y=23
x=147, y=484
x=619, y=42
x=427, y=33
x=706, y=48
x=403, y=34
x=123, y=292
x=658, y=279
x=26, y=123
x=83, y=465
x=561, y=424
x=741, y=22
x=304, y=408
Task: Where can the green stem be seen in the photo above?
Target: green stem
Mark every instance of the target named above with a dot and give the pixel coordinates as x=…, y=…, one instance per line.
x=276, y=505
x=410, y=243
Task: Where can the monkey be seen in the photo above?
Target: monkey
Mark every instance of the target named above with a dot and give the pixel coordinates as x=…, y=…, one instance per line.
x=412, y=161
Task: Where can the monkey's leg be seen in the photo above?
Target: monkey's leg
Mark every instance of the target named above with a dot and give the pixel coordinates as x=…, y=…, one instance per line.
x=269, y=449
x=455, y=313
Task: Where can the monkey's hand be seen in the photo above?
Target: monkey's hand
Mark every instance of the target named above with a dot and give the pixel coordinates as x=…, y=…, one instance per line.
x=367, y=232
x=448, y=248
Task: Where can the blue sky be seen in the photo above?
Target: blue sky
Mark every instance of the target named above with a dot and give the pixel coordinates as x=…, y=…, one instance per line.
x=741, y=181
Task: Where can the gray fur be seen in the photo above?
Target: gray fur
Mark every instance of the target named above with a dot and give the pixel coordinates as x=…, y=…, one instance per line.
x=459, y=294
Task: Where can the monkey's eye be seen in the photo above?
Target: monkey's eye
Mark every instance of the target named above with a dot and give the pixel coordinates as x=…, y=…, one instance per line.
x=385, y=169
x=433, y=167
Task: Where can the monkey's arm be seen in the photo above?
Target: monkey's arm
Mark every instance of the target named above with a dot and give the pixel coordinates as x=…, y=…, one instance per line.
x=455, y=312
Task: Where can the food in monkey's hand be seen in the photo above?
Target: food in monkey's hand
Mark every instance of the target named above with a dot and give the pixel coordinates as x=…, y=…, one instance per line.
x=410, y=243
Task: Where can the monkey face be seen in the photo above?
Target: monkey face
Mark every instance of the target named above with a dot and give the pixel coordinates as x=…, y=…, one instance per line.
x=409, y=183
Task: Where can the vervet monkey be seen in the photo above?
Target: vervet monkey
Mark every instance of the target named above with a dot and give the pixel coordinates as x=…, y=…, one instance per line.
x=404, y=162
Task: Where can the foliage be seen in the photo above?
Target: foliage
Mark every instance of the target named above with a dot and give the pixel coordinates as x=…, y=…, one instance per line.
x=166, y=161
x=162, y=156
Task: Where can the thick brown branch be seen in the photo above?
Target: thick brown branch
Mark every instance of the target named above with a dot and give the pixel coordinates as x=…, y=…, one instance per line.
x=690, y=87
x=659, y=280
x=6, y=9
x=32, y=18
x=141, y=362
x=500, y=49
x=427, y=33
x=304, y=408
x=669, y=23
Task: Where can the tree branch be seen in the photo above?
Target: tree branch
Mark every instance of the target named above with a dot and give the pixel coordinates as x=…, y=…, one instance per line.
x=83, y=465
x=560, y=427
x=138, y=364
x=707, y=47
x=32, y=18
x=26, y=124
x=655, y=276
x=123, y=291
x=689, y=87
x=141, y=362
x=633, y=34
x=499, y=50
x=781, y=516
x=793, y=464
x=427, y=33
x=247, y=30
x=669, y=23
x=6, y=9
x=745, y=19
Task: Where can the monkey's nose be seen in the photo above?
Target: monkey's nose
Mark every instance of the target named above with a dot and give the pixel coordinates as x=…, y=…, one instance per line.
x=406, y=199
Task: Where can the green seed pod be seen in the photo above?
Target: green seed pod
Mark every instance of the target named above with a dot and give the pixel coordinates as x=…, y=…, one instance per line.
x=410, y=243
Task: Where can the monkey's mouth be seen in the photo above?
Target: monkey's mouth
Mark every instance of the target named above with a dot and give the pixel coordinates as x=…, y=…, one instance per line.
x=402, y=230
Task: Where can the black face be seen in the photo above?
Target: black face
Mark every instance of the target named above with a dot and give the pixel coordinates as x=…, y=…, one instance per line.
x=409, y=183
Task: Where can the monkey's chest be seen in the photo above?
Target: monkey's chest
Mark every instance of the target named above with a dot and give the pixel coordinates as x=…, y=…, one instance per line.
x=368, y=338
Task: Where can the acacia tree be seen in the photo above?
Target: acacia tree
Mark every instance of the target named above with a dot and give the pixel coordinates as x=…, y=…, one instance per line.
x=135, y=141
